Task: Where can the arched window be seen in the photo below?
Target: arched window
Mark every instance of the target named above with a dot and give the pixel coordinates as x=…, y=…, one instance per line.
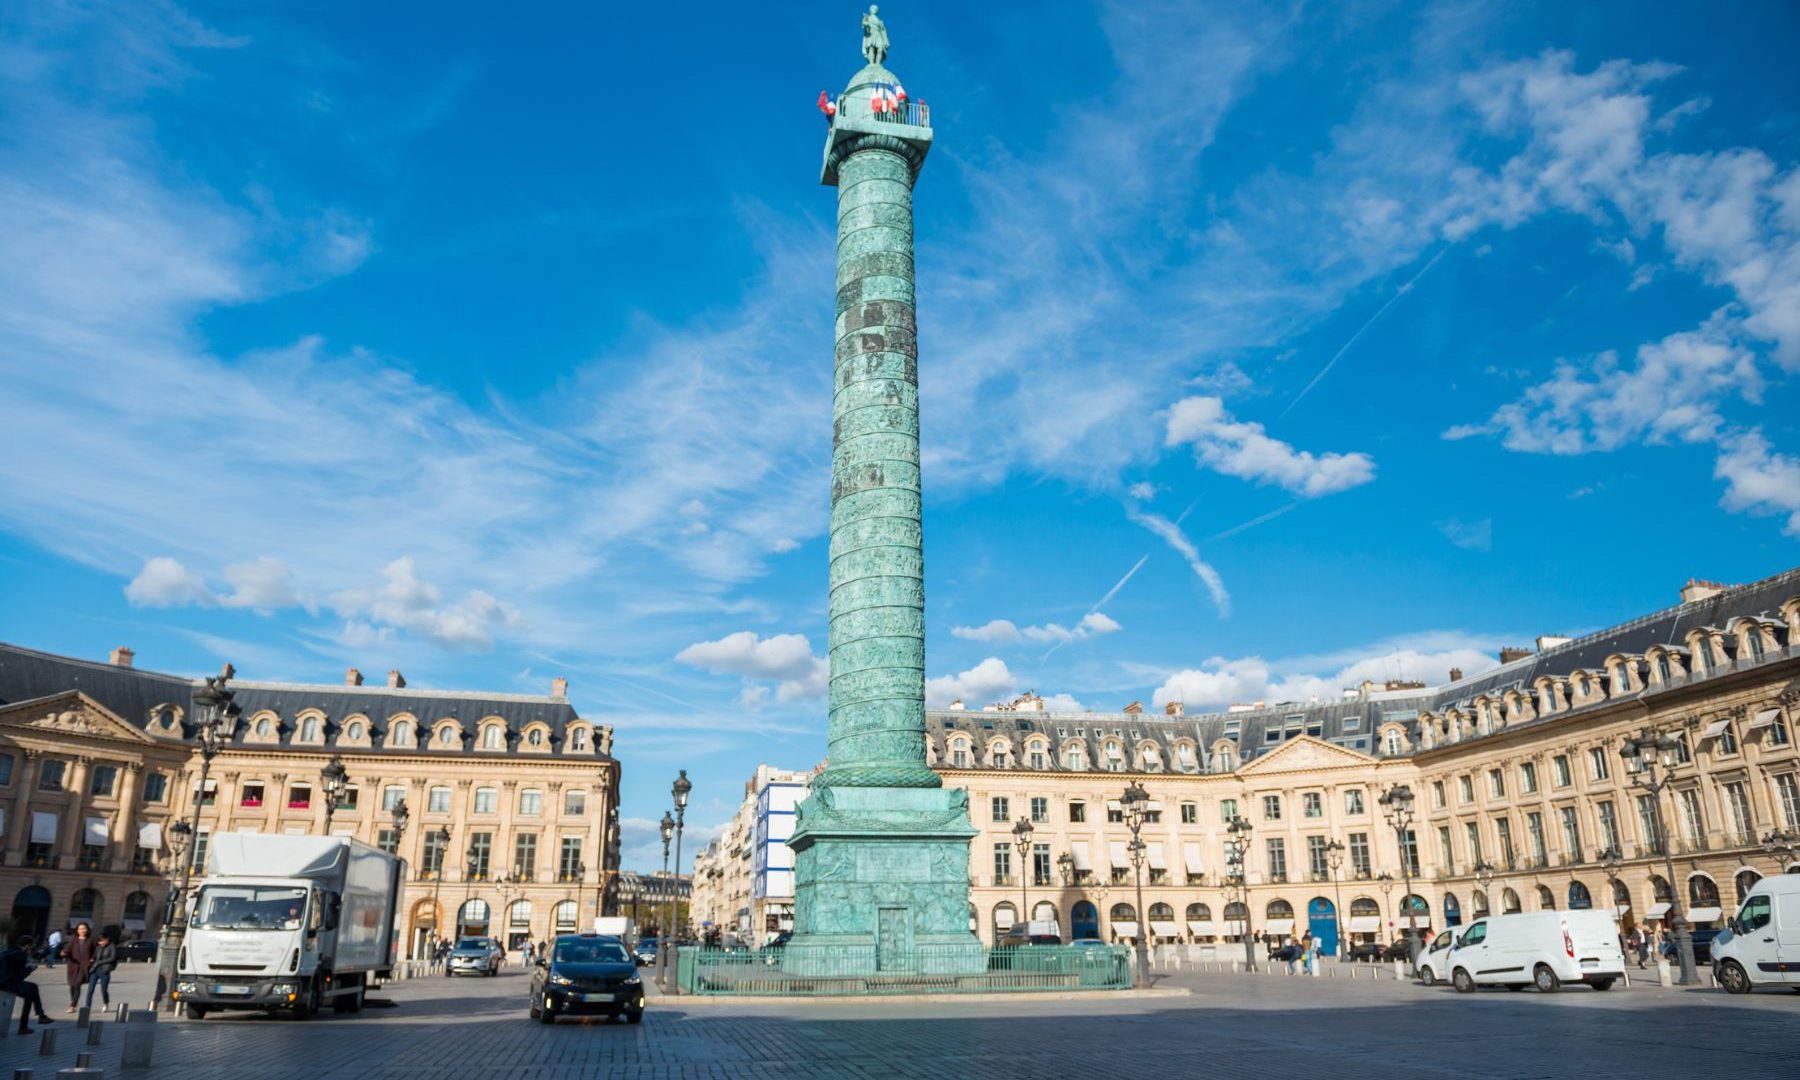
x=959, y=753
x=1149, y=759
x=403, y=733
x=1621, y=896
x=578, y=739
x=1480, y=902
x=355, y=731
x=493, y=737
x=518, y=918
x=1452, y=910
x=446, y=735
x=1280, y=909
x=83, y=905
x=1509, y=902
x=1237, y=921
x=1702, y=892
x=1391, y=743
x=1579, y=897
x=1753, y=645
x=536, y=738
x=1115, y=756
x=1000, y=754
x=263, y=727
x=1122, y=912
x=1005, y=915
x=1075, y=758
x=1199, y=913
x=1039, y=753
x=472, y=918
x=137, y=910
x=1663, y=674
x=1546, y=898
x=1659, y=888
x=309, y=729
x=1045, y=911
x=1223, y=757
x=566, y=916
x=1745, y=881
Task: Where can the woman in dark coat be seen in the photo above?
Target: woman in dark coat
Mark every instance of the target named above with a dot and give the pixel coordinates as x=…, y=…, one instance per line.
x=79, y=952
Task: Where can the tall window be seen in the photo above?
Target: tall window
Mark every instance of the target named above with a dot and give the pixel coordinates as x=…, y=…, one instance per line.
x=578, y=740
x=50, y=774
x=202, y=837
x=1787, y=789
x=1465, y=787
x=392, y=796
x=1039, y=760
x=1571, y=829
x=531, y=802
x=1737, y=800
x=435, y=845
x=492, y=738
x=1003, y=864
x=156, y=787
x=1609, y=826
x=1692, y=825
x=568, y=860
x=1190, y=813
x=1277, y=860
x=1528, y=778
x=1559, y=765
x=1409, y=850
x=1359, y=855
x=1077, y=811
x=101, y=783
x=1446, y=856
x=999, y=808
x=525, y=855
x=1316, y=862
x=1353, y=802
x=6, y=769
x=1040, y=864
x=1075, y=758
x=481, y=849
x=1597, y=763
x=388, y=840
x=1312, y=804
x=1534, y=828
x=959, y=754
x=1497, y=783
x=1684, y=755
x=1040, y=809
x=486, y=800
x=1646, y=810
x=574, y=803
x=1473, y=831
x=1271, y=808
x=437, y=800
x=1228, y=810
x=1503, y=829
x=1437, y=794
x=1778, y=732
x=1728, y=743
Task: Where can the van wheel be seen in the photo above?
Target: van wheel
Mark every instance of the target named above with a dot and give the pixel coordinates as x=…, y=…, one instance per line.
x=1546, y=980
x=1734, y=978
x=1464, y=982
x=194, y=1012
x=1427, y=977
x=1601, y=984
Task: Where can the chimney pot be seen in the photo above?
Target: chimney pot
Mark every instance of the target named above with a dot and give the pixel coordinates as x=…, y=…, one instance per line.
x=1173, y=708
x=121, y=657
x=353, y=677
x=1456, y=674
x=559, y=686
x=395, y=679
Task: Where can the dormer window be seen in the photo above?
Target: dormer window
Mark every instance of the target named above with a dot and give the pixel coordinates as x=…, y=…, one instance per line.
x=446, y=736
x=536, y=738
x=403, y=733
x=1075, y=758
x=493, y=738
x=1663, y=674
x=355, y=731
x=578, y=739
x=1753, y=646
x=309, y=729
x=263, y=728
x=959, y=754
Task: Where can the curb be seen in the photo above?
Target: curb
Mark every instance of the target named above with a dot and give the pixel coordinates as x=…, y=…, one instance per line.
x=865, y=999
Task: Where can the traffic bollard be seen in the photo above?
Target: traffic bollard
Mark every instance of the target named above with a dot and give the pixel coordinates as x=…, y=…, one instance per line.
x=47, y=1044
x=123, y=1011
x=140, y=1039
x=83, y=1061
x=81, y=1074
x=21, y=1074
x=1663, y=974
x=81, y=1018
x=94, y=1029
x=8, y=1003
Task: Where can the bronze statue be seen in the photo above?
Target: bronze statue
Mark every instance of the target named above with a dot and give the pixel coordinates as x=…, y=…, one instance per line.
x=875, y=39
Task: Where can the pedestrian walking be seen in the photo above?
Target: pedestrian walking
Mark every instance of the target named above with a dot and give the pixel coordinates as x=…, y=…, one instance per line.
x=52, y=946
x=79, y=952
x=15, y=972
x=100, y=972
x=530, y=950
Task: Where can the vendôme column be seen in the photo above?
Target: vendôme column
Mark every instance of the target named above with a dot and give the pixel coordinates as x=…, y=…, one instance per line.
x=881, y=848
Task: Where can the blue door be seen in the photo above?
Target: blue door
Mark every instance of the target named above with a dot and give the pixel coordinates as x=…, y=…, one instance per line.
x=1085, y=921
x=1321, y=919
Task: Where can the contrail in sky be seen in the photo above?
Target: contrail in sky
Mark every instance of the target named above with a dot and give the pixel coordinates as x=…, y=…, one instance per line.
x=1110, y=593
x=1373, y=319
x=1253, y=522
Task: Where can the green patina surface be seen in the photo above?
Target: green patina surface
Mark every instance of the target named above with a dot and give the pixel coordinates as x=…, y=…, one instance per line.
x=881, y=849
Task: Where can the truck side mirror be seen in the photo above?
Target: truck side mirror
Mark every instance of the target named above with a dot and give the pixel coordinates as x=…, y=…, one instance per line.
x=334, y=908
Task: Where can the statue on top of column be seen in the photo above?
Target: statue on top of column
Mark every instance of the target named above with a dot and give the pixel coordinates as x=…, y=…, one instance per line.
x=874, y=38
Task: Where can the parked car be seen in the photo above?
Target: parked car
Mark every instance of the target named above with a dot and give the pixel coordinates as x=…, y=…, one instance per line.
x=475, y=956
x=587, y=974
x=137, y=950
x=1703, y=943
x=1367, y=950
x=1540, y=948
x=1762, y=945
x=646, y=951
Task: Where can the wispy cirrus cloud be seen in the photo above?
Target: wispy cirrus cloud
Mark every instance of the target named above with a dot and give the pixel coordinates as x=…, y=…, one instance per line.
x=1006, y=632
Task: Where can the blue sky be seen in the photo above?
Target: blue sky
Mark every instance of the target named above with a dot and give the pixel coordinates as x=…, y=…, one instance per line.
x=1262, y=347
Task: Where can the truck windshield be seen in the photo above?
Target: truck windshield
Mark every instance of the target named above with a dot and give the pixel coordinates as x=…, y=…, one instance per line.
x=249, y=907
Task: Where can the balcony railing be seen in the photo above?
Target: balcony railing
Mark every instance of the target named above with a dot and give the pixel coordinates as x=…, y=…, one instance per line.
x=906, y=112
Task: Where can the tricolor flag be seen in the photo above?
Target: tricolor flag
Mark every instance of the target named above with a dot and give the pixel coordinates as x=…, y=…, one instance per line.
x=826, y=105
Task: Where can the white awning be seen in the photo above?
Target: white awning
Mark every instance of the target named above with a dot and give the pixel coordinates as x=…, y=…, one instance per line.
x=150, y=835
x=1763, y=719
x=1154, y=804
x=1705, y=914
x=1116, y=848
x=1157, y=861
x=1621, y=911
x=248, y=830
x=1190, y=857
x=1712, y=730
x=1657, y=911
x=1279, y=927
x=1363, y=924
x=94, y=831
x=1079, y=850
x=43, y=827
x=1124, y=929
x=1203, y=928
x=1164, y=929
x=1114, y=804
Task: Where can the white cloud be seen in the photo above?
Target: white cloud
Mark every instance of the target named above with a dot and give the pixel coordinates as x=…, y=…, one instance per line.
x=263, y=584
x=1003, y=631
x=1242, y=449
x=1473, y=535
x=406, y=601
x=1759, y=480
x=986, y=682
x=1142, y=490
x=1172, y=535
x=164, y=582
x=786, y=659
x=1221, y=681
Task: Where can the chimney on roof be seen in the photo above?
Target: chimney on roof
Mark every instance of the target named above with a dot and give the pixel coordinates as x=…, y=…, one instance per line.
x=1134, y=708
x=956, y=706
x=1509, y=653
x=559, y=687
x=121, y=657
x=1367, y=687
x=1456, y=674
x=1551, y=641
x=1698, y=589
x=396, y=680
x=1173, y=708
x=228, y=672
x=353, y=677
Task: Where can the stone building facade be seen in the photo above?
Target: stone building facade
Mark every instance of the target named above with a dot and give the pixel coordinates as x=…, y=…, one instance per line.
x=744, y=877
x=1516, y=770
x=512, y=799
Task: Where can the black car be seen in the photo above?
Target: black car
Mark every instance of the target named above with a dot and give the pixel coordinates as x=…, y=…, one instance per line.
x=1703, y=939
x=587, y=974
x=137, y=950
x=1368, y=950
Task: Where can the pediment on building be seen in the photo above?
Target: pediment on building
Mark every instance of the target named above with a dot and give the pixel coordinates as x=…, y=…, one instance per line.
x=69, y=714
x=1303, y=753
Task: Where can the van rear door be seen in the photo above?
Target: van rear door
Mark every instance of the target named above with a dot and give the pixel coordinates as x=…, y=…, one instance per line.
x=1787, y=935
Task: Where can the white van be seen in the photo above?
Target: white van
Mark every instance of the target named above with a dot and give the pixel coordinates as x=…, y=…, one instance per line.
x=1434, y=958
x=1762, y=945
x=1540, y=948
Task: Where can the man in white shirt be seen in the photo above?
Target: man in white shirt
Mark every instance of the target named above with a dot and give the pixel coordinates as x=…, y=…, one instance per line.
x=54, y=945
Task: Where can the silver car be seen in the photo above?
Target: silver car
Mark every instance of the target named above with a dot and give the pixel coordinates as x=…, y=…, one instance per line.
x=475, y=956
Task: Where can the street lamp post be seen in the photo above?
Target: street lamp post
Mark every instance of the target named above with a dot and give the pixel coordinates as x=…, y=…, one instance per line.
x=1780, y=845
x=1022, y=843
x=1136, y=804
x=580, y=881
x=437, y=882
x=679, y=791
x=337, y=781
x=1237, y=880
x=1610, y=862
x=1484, y=876
x=1650, y=757
x=1397, y=802
x=215, y=714
x=667, y=828
x=471, y=870
x=1334, y=857
x=1093, y=889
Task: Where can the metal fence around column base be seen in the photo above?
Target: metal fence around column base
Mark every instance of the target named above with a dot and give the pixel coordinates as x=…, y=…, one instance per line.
x=859, y=971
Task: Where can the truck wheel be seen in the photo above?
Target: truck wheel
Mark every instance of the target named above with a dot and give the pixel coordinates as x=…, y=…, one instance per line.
x=308, y=1002
x=1463, y=981
x=194, y=1012
x=356, y=999
x=1546, y=980
x=1733, y=977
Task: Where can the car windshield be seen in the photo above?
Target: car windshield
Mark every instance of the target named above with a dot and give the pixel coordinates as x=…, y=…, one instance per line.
x=473, y=944
x=590, y=952
x=249, y=907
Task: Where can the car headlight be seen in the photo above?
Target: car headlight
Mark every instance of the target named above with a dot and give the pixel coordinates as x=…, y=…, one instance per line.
x=188, y=987
x=285, y=988
x=562, y=980
x=632, y=980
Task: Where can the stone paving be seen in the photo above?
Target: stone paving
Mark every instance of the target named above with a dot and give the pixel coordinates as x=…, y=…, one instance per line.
x=1227, y=1026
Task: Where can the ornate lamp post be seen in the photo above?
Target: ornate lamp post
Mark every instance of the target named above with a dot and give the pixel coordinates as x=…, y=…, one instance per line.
x=679, y=791
x=1610, y=862
x=336, y=781
x=1484, y=876
x=580, y=880
x=437, y=881
x=401, y=816
x=471, y=871
x=1650, y=757
x=1237, y=880
x=1780, y=846
x=1397, y=804
x=215, y=715
x=1093, y=889
x=1136, y=804
x=1334, y=857
x=667, y=827
x=1022, y=843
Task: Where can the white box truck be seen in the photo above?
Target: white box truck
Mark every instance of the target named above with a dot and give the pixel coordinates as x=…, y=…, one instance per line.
x=289, y=922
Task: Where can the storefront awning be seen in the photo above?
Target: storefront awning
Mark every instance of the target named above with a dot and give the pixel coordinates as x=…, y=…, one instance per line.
x=1657, y=911
x=1621, y=911
x=1164, y=930
x=1083, y=861
x=1364, y=924
x=43, y=827
x=1116, y=848
x=1124, y=929
x=1279, y=927
x=1190, y=857
x=1705, y=914
x=150, y=835
x=95, y=832
x=1711, y=731
x=1763, y=719
x=1236, y=927
x=1203, y=928
x=1157, y=860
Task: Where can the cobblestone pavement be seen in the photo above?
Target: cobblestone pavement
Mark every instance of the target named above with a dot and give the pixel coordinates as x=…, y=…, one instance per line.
x=1229, y=1026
